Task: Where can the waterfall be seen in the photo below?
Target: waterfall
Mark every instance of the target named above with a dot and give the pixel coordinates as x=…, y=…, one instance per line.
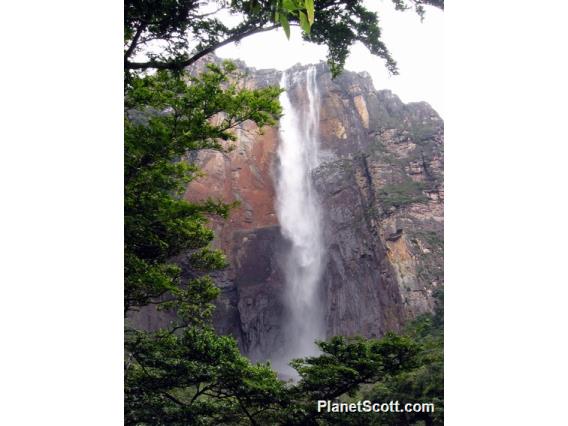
x=300, y=218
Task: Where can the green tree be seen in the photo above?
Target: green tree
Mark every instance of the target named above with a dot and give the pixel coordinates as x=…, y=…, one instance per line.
x=188, y=33
x=181, y=373
x=414, y=374
x=344, y=365
x=425, y=383
x=168, y=116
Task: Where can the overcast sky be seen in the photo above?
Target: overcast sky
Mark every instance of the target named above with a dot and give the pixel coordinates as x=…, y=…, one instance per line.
x=416, y=46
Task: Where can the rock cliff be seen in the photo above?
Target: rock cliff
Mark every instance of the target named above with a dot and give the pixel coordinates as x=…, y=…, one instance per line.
x=381, y=186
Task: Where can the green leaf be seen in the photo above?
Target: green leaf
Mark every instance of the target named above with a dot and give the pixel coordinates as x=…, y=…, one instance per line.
x=276, y=11
x=289, y=5
x=310, y=9
x=304, y=23
x=285, y=25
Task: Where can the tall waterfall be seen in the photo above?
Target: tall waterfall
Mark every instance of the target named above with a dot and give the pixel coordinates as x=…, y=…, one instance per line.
x=300, y=217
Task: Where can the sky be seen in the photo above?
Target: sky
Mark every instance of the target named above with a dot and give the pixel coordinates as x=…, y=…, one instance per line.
x=416, y=46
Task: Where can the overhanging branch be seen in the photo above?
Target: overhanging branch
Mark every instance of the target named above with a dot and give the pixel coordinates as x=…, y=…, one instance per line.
x=177, y=65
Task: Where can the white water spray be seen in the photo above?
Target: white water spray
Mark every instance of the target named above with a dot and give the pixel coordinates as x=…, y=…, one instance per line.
x=299, y=214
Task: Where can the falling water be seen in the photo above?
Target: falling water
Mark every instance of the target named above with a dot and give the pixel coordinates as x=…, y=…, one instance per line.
x=299, y=214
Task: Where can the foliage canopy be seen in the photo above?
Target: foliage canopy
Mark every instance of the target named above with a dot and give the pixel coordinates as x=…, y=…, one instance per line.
x=187, y=30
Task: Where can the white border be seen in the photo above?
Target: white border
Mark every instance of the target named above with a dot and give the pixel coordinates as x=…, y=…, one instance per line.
x=61, y=225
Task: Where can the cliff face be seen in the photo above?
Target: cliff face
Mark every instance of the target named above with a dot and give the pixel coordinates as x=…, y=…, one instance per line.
x=381, y=187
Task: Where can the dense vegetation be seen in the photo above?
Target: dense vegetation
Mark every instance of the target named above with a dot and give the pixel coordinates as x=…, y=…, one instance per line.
x=185, y=373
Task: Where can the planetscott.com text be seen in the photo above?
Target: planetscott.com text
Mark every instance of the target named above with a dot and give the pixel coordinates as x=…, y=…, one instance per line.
x=375, y=407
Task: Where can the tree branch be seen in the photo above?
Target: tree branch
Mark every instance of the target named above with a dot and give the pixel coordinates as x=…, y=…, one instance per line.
x=174, y=399
x=134, y=41
x=175, y=65
x=243, y=407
